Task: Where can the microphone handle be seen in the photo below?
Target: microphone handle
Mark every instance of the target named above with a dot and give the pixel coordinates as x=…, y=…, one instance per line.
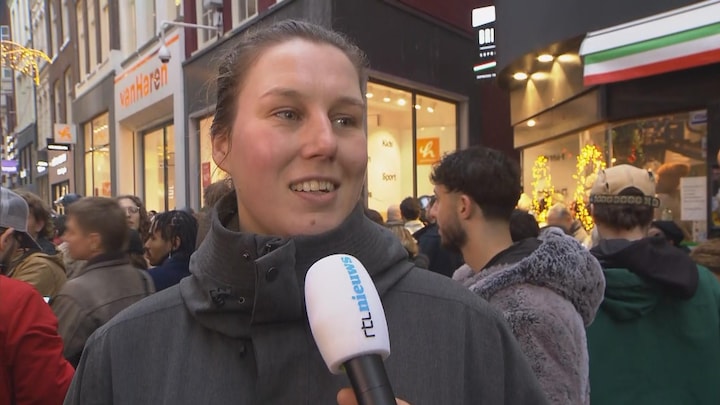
x=369, y=380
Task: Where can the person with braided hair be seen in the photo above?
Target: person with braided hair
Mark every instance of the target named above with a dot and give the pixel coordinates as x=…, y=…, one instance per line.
x=171, y=241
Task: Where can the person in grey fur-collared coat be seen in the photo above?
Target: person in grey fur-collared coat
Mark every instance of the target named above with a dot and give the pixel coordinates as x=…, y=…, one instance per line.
x=548, y=298
x=548, y=289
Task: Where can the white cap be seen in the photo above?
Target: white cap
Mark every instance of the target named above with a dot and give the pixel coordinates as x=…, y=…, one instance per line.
x=344, y=309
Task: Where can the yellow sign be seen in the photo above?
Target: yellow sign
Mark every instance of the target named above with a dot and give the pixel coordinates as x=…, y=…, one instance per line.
x=428, y=151
x=64, y=133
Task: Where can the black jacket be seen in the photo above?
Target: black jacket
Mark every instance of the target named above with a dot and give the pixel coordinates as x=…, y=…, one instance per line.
x=441, y=260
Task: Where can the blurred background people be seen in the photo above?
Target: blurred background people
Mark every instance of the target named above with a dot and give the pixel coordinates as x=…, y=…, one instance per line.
x=560, y=216
x=96, y=231
x=410, y=244
x=168, y=247
x=71, y=264
x=137, y=216
x=669, y=231
x=136, y=250
x=410, y=213
x=374, y=216
x=40, y=222
x=20, y=257
x=523, y=225
x=32, y=367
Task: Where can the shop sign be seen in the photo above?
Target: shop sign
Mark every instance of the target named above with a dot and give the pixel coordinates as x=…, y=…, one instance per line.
x=64, y=134
x=144, y=85
x=428, y=151
x=147, y=81
x=483, y=21
x=9, y=166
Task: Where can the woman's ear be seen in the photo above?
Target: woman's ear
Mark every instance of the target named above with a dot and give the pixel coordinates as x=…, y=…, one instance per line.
x=220, y=149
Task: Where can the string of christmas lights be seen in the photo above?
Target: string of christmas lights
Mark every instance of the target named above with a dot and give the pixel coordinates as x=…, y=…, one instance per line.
x=543, y=190
x=22, y=59
x=591, y=156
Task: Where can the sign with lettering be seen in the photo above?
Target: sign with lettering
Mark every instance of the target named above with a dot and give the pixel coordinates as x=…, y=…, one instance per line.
x=149, y=80
x=428, y=151
x=64, y=134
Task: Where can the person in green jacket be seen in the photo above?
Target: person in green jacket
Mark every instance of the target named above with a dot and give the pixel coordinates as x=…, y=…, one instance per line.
x=656, y=338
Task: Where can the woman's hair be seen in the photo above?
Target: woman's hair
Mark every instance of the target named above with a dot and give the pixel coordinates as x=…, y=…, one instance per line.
x=523, y=225
x=136, y=251
x=406, y=238
x=374, y=216
x=144, y=225
x=40, y=211
x=239, y=60
x=177, y=224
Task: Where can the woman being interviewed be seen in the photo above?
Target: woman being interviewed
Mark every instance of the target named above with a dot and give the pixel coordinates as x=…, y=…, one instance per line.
x=289, y=130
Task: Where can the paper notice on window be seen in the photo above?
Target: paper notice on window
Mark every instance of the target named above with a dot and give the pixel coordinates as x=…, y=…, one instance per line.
x=693, y=198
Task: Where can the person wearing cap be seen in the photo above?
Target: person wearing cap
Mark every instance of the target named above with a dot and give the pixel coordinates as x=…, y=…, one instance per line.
x=21, y=257
x=656, y=337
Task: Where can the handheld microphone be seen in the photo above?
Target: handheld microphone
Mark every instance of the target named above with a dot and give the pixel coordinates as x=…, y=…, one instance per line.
x=348, y=323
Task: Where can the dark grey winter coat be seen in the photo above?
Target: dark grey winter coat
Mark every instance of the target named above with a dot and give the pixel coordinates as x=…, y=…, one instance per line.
x=548, y=298
x=236, y=332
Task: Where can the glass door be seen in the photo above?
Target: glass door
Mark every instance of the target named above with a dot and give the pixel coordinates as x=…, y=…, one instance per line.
x=159, y=168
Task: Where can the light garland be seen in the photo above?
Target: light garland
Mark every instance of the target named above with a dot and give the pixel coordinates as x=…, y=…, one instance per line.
x=541, y=173
x=589, y=155
x=22, y=59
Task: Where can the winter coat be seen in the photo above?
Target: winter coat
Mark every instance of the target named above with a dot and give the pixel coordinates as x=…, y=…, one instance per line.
x=44, y=272
x=548, y=297
x=171, y=271
x=32, y=368
x=656, y=337
x=105, y=286
x=236, y=330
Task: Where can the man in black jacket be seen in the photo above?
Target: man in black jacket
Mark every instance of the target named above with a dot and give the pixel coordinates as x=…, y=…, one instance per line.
x=441, y=260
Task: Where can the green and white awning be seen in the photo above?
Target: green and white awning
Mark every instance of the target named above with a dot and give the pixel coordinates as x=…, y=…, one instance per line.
x=676, y=40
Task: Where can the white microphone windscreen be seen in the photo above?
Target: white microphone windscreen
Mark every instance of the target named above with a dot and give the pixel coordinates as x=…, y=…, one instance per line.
x=344, y=309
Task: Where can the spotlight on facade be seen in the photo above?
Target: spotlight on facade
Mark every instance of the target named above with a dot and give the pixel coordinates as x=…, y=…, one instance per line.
x=531, y=123
x=520, y=76
x=369, y=95
x=401, y=102
x=418, y=106
x=545, y=58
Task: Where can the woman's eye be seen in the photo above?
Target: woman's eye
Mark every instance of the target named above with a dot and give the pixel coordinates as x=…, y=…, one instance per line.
x=345, y=121
x=288, y=115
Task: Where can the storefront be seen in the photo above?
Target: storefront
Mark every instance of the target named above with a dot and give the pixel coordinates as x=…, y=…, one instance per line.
x=417, y=104
x=613, y=97
x=94, y=112
x=149, y=107
x=61, y=174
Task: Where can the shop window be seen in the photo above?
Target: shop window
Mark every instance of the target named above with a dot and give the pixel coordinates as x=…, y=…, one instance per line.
x=436, y=136
x=159, y=165
x=400, y=154
x=673, y=147
x=97, y=157
x=209, y=171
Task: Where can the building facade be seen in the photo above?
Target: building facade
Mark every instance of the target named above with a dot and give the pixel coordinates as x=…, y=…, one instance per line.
x=615, y=83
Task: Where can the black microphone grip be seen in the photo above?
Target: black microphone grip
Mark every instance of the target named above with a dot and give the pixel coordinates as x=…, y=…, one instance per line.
x=369, y=380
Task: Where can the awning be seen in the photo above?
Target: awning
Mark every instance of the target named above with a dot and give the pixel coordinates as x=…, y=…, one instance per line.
x=679, y=39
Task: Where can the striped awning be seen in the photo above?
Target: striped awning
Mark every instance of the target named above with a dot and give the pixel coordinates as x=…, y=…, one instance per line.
x=679, y=39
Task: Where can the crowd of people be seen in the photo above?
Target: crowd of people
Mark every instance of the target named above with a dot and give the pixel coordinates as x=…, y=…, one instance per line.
x=482, y=305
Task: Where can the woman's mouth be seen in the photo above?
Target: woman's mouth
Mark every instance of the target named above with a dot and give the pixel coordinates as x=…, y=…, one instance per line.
x=323, y=186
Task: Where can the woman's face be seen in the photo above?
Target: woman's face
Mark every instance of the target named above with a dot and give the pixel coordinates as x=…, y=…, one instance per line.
x=132, y=213
x=298, y=151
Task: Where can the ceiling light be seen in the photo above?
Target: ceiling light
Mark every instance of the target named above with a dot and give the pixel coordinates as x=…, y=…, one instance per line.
x=520, y=76
x=386, y=99
x=539, y=75
x=369, y=95
x=545, y=58
x=568, y=58
x=431, y=108
x=401, y=102
x=418, y=106
x=531, y=123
